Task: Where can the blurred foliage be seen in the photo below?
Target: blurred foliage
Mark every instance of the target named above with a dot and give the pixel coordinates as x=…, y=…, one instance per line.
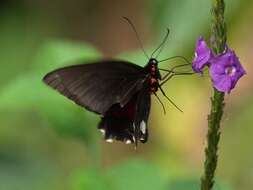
x=47, y=142
x=133, y=173
x=137, y=174
x=186, y=19
x=38, y=97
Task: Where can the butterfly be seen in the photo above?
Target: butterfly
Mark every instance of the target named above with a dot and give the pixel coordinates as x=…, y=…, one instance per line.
x=119, y=91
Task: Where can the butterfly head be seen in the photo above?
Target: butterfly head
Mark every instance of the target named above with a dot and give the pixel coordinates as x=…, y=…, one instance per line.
x=153, y=61
x=153, y=69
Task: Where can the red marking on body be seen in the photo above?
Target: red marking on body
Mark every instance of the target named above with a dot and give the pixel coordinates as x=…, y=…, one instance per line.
x=153, y=84
x=153, y=80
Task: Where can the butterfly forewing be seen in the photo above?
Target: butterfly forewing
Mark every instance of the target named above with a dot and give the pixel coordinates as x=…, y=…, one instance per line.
x=98, y=86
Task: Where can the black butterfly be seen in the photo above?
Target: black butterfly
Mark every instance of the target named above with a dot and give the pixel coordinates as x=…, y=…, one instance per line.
x=119, y=91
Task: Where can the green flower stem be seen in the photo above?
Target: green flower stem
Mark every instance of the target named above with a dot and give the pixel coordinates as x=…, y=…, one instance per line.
x=217, y=101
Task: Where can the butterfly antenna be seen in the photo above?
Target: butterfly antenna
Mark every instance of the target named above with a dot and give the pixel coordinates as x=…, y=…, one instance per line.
x=169, y=99
x=137, y=36
x=160, y=102
x=160, y=47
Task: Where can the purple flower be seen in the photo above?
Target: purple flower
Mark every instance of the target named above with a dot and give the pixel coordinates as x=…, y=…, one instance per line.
x=225, y=71
x=202, y=55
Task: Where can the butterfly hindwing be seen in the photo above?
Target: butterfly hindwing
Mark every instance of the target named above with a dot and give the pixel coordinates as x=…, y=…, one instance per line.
x=117, y=123
x=143, y=104
x=127, y=123
x=98, y=86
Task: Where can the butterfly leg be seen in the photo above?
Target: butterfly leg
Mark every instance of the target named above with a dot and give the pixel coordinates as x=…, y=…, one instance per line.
x=166, y=78
x=169, y=99
x=173, y=68
x=159, y=100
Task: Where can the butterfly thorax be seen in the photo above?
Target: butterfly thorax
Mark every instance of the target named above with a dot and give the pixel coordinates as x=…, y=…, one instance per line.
x=153, y=75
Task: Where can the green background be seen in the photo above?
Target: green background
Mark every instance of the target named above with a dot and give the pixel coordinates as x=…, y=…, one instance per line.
x=47, y=142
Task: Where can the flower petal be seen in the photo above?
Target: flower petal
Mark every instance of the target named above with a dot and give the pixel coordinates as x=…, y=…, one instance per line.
x=202, y=55
x=224, y=84
x=225, y=71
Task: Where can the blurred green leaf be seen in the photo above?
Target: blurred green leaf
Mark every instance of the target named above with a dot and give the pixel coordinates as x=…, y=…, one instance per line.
x=27, y=92
x=58, y=53
x=19, y=173
x=89, y=179
x=131, y=174
x=136, y=175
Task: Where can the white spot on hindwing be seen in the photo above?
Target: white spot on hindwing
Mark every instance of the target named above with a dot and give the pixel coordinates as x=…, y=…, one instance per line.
x=102, y=131
x=109, y=140
x=143, y=127
x=133, y=137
